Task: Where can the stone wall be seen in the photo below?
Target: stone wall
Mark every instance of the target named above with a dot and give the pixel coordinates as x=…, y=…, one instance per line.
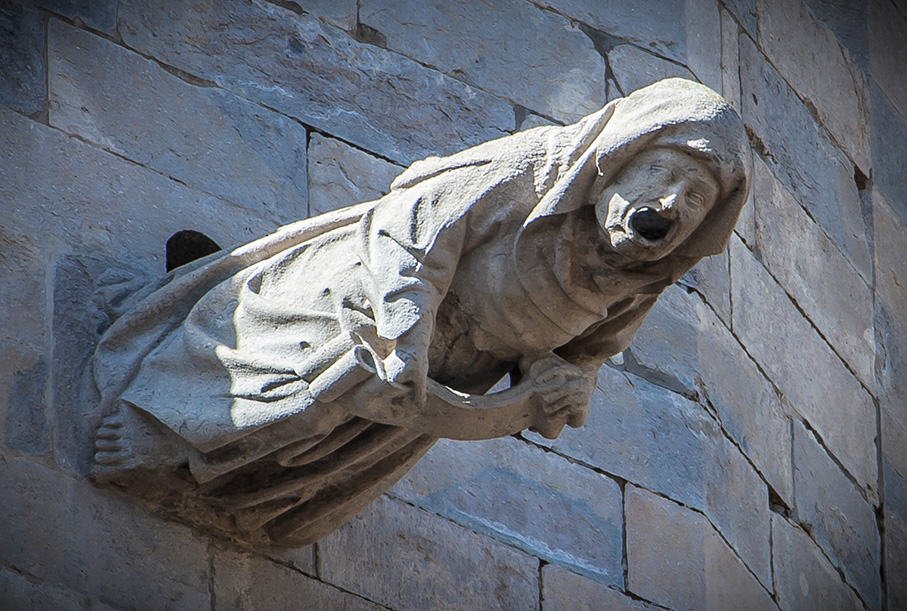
x=750, y=449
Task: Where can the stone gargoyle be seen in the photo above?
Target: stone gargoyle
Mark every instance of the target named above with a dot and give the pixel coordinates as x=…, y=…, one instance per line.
x=270, y=392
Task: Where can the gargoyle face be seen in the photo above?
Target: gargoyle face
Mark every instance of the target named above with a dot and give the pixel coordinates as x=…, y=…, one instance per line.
x=655, y=203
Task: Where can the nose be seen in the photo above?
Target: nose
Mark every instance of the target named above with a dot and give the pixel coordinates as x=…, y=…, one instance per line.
x=669, y=201
x=651, y=225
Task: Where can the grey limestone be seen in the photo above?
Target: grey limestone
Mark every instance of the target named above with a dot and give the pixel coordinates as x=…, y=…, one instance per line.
x=685, y=341
x=703, y=41
x=26, y=592
x=894, y=514
x=802, y=155
x=675, y=558
x=341, y=175
x=94, y=543
x=530, y=498
x=810, y=58
x=23, y=78
x=242, y=581
x=79, y=201
x=816, y=384
x=891, y=302
x=318, y=74
x=406, y=558
x=652, y=23
x=202, y=136
x=816, y=274
x=837, y=515
x=804, y=578
x=633, y=67
x=98, y=15
x=342, y=13
x=551, y=67
x=745, y=12
x=566, y=591
x=656, y=438
x=730, y=59
x=711, y=278
x=887, y=52
x=849, y=21
x=27, y=428
x=889, y=132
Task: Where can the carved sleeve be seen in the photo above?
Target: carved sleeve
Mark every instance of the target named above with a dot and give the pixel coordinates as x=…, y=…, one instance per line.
x=611, y=336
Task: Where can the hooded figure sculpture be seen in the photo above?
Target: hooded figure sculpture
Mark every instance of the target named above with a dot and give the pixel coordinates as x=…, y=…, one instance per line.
x=271, y=392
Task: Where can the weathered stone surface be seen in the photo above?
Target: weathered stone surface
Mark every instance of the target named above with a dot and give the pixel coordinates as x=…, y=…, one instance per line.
x=703, y=41
x=563, y=591
x=675, y=558
x=72, y=535
x=891, y=303
x=20, y=592
x=684, y=341
x=887, y=52
x=249, y=582
x=803, y=576
x=341, y=13
x=809, y=56
x=712, y=279
x=661, y=30
x=23, y=80
x=840, y=519
x=340, y=175
x=658, y=439
x=81, y=199
x=202, y=136
x=889, y=132
x=730, y=59
x=633, y=68
x=802, y=156
x=745, y=13
x=801, y=257
x=97, y=14
x=894, y=518
x=532, y=499
x=362, y=93
x=551, y=67
x=815, y=383
x=406, y=558
x=26, y=428
x=849, y=21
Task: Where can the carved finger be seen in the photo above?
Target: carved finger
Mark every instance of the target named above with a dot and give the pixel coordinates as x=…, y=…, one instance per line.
x=108, y=458
x=108, y=433
x=104, y=445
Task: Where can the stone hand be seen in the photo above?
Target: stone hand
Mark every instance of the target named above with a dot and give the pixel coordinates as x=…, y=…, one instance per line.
x=562, y=395
x=407, y=370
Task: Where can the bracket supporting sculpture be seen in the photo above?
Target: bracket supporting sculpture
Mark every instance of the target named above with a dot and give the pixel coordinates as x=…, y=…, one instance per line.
x=269, y=393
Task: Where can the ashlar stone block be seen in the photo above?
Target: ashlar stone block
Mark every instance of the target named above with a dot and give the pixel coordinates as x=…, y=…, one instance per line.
x=802, y=156
x=23, y=79
x=651, y=23
x=341, y=175
x=887, y=52
x=889, y=132
x=406, y=558
x=18, y=591
x=530, y=498
x=675, y=558
x=203, y=136
x=809, y=56
x=816, y=384
x=634, y=68
x=367, y=95
x=97, y=14
x=840, y=519
x=566, y=591
x=551, y=67
x=94, y=543
x=804, y=577
x=816, y=274
x=656, y=438
x=684, y=341
x=249, y=582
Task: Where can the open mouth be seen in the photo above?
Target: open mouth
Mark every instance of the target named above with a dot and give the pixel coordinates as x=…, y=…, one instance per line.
x=648, y=224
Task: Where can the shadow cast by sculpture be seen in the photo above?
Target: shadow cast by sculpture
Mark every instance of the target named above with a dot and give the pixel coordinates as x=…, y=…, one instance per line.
x=269, y=393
